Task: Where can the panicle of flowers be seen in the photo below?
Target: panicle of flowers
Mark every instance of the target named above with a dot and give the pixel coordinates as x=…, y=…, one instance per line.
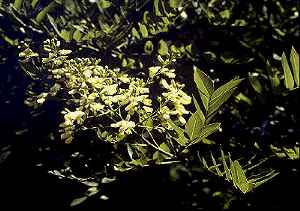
x=173, y=101
x=94, y=90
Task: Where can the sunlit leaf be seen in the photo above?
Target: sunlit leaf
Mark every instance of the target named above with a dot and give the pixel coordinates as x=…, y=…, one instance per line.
x=78, y=201
x=143, y=30
x=104, y=4
x=66, y=35
x=194, y=124
x=242, y=97
x=175, y=3
x=156, y=8
x=261, y=180
x=18, y=4
x=52, y=22
x=163, y=48
x=148, y=48
x=203, y=82
x=165, y=147
x=288, y=77
x=294, y=58
x=233, y=173
x=182, y=140
x=146, y=17
x=129, y=151
x=241, y=179
x=205, y=86
x=206, y=131
x=34, y=3
x=215, y=166
x=77, y=35
x=198, y=109
x=226, y=169
x=256, y=84
x=148, y=123
x=135, y=33
x=50, y=7
x=221, y=95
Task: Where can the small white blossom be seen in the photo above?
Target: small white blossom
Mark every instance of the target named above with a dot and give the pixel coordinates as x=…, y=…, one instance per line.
x=125, y=127
x=75, y=116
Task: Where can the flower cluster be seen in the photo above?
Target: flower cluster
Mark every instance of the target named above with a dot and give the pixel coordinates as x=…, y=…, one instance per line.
x=98, y=90
x=177, y=98
x=93, y=90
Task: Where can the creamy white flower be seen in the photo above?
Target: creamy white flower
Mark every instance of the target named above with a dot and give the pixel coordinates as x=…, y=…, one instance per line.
x=153, y=71
x=110, y=89
x=165, y=84
x=148, y=109
x=88, y=73
x=75, y=116
x=96, y=107
x=125, y=127
x=64, y=52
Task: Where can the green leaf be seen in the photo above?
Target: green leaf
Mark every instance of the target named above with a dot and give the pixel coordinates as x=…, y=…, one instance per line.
x=194, y=124
x=103, y=4
x=163, y=48
x=260, y=180
x=225, y=88
x=158, y=157
x=130, y=151
x=233, y=173
x=182, y=140
x=255, y=83
x=18, y=4
x=204, y=163
x=148, y=123
x=205, y=86
x=274, y=79
x=241, y=179
x=52, y=22
x=143, y=30
x=164, y=147
x=294, y=58
x=78, y=201
x=42, y=14
x=242, y=97
x=188, y=48
x=77, y=35
x=137, y=162
x=135, y=33
x=197, y=106
x=206, y=131
x=34, y=3
x=216, y=165
x=148, y=48
x=175, y=3
x=288, y=77
x=226, y=169
x=156, y=8
x=203, y=82
x=146, y=17
x=221, y=95
x=66, y=35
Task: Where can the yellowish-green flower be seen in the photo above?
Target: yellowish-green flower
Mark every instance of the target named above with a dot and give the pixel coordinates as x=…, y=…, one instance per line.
x=157, y=70
x=74, y=116
x=109, y=89
x=124, y=78
x=88, y=73
x=125, y=127
x=96, y=107
x=148, y=109
x=153, y=71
